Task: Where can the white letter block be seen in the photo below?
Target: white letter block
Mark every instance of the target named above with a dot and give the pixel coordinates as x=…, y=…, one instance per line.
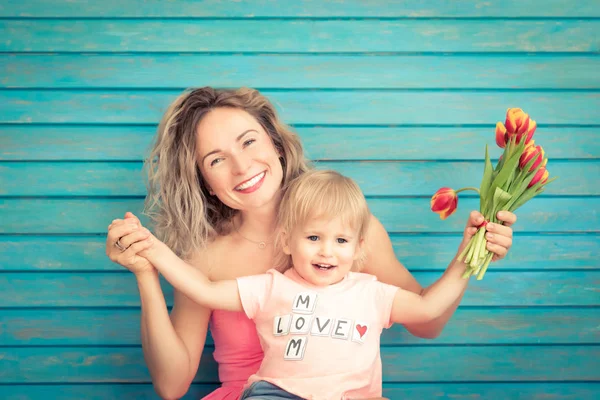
x=300, y=323
x=304, y=303
x=341, y=328
x=281, y=325
x=359, y=332
x=321, y=326
x=294, y=350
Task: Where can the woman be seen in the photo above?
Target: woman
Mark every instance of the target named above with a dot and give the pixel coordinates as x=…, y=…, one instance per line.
x=216, y=174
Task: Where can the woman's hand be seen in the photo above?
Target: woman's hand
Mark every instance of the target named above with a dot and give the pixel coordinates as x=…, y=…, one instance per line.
x=499, y=236
x=131, y=236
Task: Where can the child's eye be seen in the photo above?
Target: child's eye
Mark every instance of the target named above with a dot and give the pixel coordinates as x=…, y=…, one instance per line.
x=342, y=240
x=313, y=238
x=215, y=161
x=249, y=142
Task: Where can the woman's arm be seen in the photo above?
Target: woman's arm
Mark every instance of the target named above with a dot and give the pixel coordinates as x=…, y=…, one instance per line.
x=381, y=262
x=172, y=345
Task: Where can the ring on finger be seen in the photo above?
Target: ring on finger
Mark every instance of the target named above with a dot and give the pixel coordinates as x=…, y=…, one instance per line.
x=119, y=245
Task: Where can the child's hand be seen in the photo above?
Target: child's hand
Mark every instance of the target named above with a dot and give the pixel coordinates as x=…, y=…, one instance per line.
x=499, y=236
x=126, y=244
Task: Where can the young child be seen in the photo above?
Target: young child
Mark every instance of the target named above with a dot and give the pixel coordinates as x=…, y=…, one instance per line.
x=318, y=322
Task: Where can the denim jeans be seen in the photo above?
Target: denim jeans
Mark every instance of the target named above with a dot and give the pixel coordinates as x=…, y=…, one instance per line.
x=267, y=391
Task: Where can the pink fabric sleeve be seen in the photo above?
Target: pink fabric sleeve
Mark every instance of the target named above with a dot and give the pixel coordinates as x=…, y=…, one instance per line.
x=254, y=292
x=384, y=296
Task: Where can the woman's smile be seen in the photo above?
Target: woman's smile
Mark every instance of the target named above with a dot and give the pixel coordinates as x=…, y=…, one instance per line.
x=251, y=184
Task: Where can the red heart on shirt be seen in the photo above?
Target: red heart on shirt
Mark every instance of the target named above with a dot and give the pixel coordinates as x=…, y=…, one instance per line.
x=361, y=330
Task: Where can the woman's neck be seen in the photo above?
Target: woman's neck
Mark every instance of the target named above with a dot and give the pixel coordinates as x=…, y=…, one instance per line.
x=258, y=224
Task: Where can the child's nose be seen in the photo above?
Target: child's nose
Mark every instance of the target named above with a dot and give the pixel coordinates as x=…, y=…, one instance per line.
x=325, y=249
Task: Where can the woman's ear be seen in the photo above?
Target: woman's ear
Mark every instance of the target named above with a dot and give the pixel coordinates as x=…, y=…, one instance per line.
x=285, y=243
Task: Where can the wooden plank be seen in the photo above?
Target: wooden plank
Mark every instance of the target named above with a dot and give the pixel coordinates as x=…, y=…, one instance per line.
x=375, y=178
x=87, y=253
x=132, y=143
x=299, y=36
x=398, y=215
x=408, y=391
x=516, y=391
x=103, y=289
x=370, y=107
x=299, y=72
x=298, y=9
x=120, y=327
x=405, y=364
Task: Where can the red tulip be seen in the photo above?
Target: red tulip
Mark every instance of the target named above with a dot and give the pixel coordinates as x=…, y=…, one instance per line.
x=501, y=136
x=541, y=175
x=444, y=202
x=531, y=151
x=530, y=132
x=517, y=121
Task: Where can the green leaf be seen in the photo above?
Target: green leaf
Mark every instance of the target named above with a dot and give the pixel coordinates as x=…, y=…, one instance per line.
x=500, y=199
x=485, y=181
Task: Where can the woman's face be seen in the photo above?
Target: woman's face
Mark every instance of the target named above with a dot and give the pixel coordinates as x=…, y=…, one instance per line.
x=238, y=160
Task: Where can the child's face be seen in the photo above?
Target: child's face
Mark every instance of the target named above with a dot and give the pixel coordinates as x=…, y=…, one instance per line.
x=323, y=250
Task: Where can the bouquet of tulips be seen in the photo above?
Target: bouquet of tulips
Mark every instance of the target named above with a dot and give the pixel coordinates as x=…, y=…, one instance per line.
x=519, y=175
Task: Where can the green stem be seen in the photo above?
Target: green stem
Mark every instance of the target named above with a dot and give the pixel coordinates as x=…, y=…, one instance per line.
x=468, y=188
x=463, y=253
x=481, y=273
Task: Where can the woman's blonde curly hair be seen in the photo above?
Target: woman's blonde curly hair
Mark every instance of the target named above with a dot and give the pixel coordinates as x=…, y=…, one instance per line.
x=184, y=215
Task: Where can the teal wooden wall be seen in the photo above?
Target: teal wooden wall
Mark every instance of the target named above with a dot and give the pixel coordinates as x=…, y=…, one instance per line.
x=401, y=95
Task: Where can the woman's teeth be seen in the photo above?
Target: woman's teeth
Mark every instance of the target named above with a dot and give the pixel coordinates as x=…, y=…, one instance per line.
x=251, y=182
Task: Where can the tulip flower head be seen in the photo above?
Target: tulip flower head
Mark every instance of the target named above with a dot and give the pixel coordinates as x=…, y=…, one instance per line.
x=531, y=152
x=444, y=202
x=517, y=125
x=540, y=176
x=501, y=136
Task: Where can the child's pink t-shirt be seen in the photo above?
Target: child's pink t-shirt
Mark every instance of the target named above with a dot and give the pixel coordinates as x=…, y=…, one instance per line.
x=319, y=342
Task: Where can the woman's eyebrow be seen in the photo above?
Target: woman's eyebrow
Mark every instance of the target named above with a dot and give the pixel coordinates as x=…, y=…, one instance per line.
x=236, y=139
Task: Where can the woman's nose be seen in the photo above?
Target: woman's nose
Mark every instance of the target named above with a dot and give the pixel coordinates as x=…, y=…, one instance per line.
x=241, y=164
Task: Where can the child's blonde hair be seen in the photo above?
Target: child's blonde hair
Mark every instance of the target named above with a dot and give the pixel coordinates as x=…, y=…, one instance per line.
x=318, y=194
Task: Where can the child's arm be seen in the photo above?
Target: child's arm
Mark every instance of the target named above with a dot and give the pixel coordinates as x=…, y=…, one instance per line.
x=220, y=295
x=409, y=307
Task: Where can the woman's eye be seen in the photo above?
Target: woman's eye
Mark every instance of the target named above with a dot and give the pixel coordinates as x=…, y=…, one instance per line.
x=215, y=161
x=313, y=238
x=342, y=240
x=249, y=142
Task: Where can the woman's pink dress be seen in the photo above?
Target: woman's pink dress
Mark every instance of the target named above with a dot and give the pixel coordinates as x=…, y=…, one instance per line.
x=237, y=351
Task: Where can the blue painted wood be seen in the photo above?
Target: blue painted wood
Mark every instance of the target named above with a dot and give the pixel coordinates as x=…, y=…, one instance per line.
x=514, y=334
x=311, y=107
x=120, y=327
x=104, y=289
x=409, y=391
x=300, y=36
x=410, y=178
x=398, y=215
x=400, y=364
x=299, y=9
x=417, y=252
x=131, y=143
x=482, y=71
